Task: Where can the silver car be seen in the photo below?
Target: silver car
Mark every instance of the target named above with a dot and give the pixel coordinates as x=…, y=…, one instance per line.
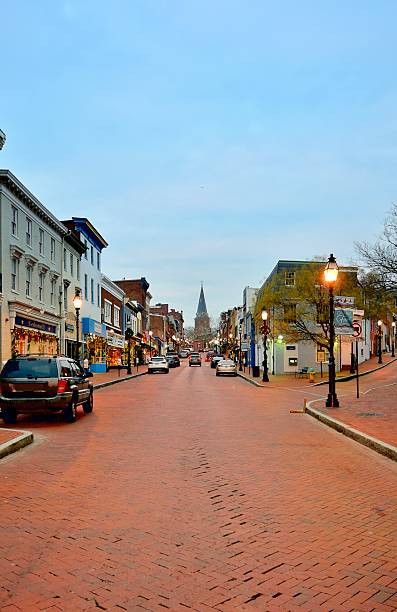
x=158, y=364
x=226, y=367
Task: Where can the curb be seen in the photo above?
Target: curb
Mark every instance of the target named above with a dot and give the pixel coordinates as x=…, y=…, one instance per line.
x=353, y=376
x=249, y=380
x=380, y=447
x=11, y=446
x=118, y=380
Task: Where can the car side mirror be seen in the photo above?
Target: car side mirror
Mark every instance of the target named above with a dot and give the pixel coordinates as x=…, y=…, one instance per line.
x=88, y=375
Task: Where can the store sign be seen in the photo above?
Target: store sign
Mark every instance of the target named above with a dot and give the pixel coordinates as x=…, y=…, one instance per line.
x=343, y=301
x=98, y=328
x=69, y=327
x=343, y=321
x=245, y=346
x=116, y=340
x=32, y=324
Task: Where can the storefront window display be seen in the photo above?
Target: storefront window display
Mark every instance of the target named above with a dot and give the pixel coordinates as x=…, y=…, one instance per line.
x=95, y=349
x=26, y=341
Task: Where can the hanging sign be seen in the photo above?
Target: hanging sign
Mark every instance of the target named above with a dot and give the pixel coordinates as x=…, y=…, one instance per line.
x=343, y=321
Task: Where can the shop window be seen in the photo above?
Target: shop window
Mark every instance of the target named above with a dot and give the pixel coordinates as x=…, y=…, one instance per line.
x=41, y=241
x=290, y=279
x=14, y=274
x=29, y=272
x=52, y=249
x=14, y=222
x=28, y=231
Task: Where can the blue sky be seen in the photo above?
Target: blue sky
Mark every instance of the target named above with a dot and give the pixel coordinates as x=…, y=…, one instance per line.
x=205, y=139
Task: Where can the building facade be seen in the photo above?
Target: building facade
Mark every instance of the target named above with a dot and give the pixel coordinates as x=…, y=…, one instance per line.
x=112, y=308
x=202, y=327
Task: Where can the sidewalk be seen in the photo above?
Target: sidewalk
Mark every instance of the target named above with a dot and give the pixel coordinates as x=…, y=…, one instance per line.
x=12, y=440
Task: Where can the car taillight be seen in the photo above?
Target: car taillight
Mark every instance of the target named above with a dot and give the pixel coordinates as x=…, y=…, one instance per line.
x=62, y=386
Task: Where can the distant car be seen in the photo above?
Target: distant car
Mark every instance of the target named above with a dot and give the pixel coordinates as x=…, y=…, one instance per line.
x=158, y=364
x=184, y=353
x=173, y=360
x=226, y=367
x=32, y=384
x=194, y=359
x=215, y=360
x=209, y=355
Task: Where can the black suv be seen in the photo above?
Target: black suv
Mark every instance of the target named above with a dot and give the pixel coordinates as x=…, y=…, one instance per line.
x=33, y=384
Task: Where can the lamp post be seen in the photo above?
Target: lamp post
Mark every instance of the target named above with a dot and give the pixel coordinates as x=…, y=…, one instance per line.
x=150, y=343
x=330, y=276
x=393, y=337
x=240, y=363
x=128, y=335
x=265, y=331
x=77, y=303
x=379, y=341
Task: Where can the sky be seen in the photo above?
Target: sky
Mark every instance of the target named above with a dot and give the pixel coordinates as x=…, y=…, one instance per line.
x=205, y=139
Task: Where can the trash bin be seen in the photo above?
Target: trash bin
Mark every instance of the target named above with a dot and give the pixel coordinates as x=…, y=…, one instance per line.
x=255, y=371
x=311, y=377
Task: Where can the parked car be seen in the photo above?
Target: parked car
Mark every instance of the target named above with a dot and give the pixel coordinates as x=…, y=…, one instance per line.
x=173, y=360
x=33, y=384
x=195, y=359
x=226, y=367
x=158, y=364
x=215, y=360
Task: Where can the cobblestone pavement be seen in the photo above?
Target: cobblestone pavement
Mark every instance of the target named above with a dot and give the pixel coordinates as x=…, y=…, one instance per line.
x=188, y=491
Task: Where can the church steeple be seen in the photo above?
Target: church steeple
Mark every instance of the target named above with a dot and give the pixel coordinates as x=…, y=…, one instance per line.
x=202, y=307
x=202, y=327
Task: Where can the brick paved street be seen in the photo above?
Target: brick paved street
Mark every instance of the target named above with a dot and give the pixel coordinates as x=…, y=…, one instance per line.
x=189, y=491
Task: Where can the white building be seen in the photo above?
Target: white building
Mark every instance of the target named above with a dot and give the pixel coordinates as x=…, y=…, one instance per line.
x=31, y=245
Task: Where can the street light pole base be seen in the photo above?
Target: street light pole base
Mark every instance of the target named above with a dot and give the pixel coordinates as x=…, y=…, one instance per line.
x=332, y=401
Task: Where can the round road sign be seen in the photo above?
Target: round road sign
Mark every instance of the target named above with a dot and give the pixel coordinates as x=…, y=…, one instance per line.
x=357, y=329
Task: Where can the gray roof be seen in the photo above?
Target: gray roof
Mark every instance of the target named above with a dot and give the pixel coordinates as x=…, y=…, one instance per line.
x=202, y=307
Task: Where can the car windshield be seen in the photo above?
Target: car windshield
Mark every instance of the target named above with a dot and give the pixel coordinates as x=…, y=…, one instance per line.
x=30, y=368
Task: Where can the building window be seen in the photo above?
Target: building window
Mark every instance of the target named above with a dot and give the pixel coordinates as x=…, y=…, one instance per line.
x=71, y=264
x=86, y=247
x=78, y=269
x=86, y=286
x=92, y=255
x=98, y=292
x=14, y=274
x=108, y=311
x=28, y=281
x=65, y=297
x=41, y=241
x=52, y=294
x=98, y=260
x=290, y=279
x=41, y=287
x=290, y=313
x=28, y=231
x=116, y=316
x=52, y=249
x=92, y=291
x=65, y=261
x=14, y=222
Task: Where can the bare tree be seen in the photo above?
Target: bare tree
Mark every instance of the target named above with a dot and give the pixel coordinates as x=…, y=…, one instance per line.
x=381, y=257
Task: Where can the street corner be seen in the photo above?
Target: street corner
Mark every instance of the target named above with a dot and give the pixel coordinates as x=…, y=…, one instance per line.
x=12, y=440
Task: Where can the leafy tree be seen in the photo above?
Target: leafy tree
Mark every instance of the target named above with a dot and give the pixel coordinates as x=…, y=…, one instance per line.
x=301, y=311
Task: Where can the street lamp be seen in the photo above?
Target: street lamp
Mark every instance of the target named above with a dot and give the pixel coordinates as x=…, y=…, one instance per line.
x=77, y=303
x=240, y=367
x=128, y=335
x=150, y=343
x=330, y=276
x=393, y=337
x=379, y=341
x=265, y=331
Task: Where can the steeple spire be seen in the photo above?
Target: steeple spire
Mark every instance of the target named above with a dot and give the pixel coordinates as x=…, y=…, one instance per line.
x=202, y=307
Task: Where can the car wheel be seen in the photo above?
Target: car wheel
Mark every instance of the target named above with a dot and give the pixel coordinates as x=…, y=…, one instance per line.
x=70, y=411
x=9, y=416
x=88, y=406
